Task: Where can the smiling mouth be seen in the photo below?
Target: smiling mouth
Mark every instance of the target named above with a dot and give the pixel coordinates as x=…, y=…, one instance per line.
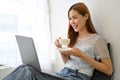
x=75, y=26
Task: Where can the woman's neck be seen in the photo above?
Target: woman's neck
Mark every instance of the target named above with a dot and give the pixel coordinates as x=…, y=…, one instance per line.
x=84, y=35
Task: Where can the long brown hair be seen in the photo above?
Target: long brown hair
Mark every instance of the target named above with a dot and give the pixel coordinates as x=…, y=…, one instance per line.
x=82, y=9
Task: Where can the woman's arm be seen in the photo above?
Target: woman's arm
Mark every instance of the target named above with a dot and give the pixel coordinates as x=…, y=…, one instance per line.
x=65, y=57
x=104, y=66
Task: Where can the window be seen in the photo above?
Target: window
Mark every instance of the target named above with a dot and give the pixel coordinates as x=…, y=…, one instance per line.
x=24, y=17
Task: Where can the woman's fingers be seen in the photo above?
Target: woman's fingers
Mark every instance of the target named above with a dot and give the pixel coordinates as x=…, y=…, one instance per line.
x=57, y=42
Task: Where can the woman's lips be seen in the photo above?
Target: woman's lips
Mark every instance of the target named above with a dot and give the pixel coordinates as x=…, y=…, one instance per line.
x=75, y=26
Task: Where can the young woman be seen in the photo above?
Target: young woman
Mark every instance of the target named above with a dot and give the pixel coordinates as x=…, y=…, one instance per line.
x=88, y=51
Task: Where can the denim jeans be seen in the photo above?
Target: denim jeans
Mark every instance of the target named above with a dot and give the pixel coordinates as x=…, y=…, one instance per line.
x=70, y=74
x=24, y=72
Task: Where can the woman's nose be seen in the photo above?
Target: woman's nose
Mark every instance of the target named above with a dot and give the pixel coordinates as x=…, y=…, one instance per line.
x=72, y=21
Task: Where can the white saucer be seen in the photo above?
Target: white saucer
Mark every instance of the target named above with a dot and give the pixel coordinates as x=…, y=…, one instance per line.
x=64, y=49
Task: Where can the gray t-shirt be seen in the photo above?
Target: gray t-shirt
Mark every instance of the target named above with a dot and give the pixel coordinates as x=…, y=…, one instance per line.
x=94, y=47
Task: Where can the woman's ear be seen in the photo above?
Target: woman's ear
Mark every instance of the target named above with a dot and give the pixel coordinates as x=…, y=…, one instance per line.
x=86, y=16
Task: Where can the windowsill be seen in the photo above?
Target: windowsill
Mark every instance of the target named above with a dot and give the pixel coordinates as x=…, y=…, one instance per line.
x=4, y=71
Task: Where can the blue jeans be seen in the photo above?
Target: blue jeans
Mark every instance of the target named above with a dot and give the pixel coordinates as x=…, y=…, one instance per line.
x=24, y=72
x=70, y=74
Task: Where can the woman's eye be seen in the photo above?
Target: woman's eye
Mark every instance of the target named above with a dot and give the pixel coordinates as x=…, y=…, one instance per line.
x=74, y=17
x=70, y=19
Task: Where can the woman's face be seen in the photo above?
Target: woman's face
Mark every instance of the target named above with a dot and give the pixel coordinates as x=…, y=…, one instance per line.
x=77, y=21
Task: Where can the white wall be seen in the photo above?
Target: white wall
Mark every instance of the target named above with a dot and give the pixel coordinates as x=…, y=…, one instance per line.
x=106, y=18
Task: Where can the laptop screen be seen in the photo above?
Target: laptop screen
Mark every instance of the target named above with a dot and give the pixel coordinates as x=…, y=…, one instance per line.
x=27, y=51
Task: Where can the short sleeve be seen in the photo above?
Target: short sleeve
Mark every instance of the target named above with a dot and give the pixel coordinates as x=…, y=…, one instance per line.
x=101, y=50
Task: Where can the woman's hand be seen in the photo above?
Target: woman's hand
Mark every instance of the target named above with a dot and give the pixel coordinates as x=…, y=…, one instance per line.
x=75, y=52
x=57, y=42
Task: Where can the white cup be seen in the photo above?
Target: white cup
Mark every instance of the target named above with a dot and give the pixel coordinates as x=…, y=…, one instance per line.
x=64, y=42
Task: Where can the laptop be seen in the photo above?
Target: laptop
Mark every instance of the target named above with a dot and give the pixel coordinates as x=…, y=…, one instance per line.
x=28, y=53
